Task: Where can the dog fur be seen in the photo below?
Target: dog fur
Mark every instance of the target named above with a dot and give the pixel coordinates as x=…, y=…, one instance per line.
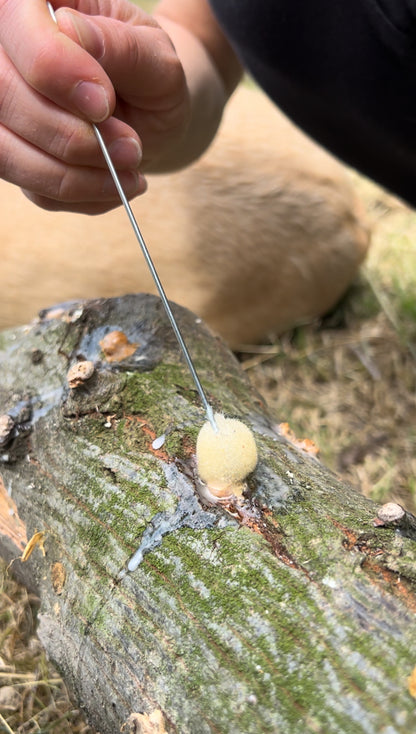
x=263, y=232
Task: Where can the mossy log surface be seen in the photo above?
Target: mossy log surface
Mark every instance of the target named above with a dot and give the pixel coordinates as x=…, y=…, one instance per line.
x=289, y=611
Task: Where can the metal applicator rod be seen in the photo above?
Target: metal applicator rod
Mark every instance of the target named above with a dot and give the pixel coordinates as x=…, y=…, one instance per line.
x=149, y=261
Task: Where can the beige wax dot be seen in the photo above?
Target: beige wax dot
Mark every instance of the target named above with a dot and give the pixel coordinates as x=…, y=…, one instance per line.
x=226, y=457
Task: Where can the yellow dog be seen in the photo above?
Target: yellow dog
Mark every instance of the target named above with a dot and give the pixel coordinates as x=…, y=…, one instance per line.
x=263, y=232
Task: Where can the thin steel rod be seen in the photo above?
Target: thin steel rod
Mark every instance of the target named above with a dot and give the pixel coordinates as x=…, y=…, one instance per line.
x=149, y=261
x=156, y=278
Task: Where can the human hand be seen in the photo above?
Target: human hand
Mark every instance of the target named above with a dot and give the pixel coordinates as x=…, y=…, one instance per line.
x=111, y=64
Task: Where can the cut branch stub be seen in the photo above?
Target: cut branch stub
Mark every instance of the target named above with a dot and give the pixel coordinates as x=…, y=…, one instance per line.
x=284, y=610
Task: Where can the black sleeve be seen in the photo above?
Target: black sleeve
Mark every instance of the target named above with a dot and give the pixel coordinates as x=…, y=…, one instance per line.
x=343, y=70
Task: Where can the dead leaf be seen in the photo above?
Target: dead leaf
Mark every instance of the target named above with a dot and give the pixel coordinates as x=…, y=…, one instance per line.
x=304, y=444
x=411, y=683
x=36, y=539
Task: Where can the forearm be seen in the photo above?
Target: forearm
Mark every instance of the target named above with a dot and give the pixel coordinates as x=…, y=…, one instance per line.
x=212, y=72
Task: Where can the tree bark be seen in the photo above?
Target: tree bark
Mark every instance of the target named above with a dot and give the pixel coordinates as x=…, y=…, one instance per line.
x=288, y=611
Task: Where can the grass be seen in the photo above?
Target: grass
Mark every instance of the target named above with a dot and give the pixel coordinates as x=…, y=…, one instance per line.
x=146, y=5
x=33, y=698
x=349, y=382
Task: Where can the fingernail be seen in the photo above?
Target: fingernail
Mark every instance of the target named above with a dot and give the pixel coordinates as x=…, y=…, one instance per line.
x=91, y=100
x=125, y=152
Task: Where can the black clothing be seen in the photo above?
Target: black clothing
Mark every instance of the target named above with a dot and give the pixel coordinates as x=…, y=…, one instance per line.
x=343, y=70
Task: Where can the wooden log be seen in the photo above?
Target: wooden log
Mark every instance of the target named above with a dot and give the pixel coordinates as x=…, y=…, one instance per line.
x=290, y=610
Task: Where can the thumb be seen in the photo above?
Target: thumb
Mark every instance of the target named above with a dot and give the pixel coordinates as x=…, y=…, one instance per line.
x=135, y=52
x=52, y=63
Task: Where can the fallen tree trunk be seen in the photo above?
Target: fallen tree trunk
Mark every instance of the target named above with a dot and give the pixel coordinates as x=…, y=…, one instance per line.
x=289, y=611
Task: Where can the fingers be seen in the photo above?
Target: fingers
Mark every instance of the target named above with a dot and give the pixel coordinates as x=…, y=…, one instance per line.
x=58, y=186
x=52, y=63
x=56, y=131
x=55, y=79
x=152, y=94
x=89, y=208
x=43, y=147
x=139, y=58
